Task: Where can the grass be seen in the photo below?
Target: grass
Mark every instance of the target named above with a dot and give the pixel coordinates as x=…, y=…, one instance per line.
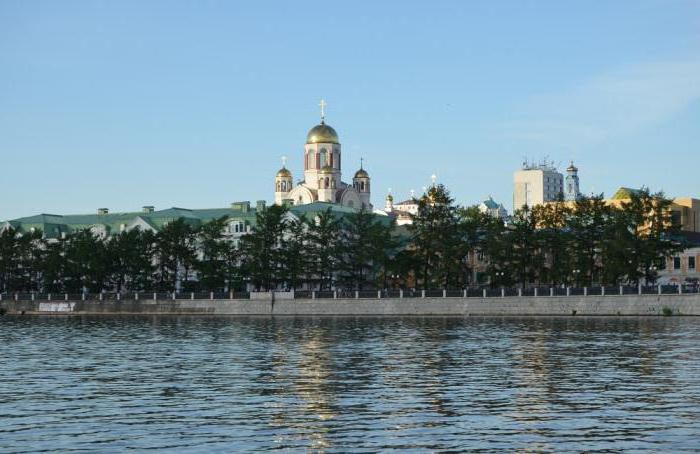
x=666, y=311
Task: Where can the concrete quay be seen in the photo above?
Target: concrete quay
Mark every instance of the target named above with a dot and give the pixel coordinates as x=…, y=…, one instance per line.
x=609, y=305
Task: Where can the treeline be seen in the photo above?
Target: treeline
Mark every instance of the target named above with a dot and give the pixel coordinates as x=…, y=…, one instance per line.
x=280, y=252
x=585, y=242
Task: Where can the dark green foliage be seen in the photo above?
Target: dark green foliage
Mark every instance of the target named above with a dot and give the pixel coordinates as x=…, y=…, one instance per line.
x=585, y=243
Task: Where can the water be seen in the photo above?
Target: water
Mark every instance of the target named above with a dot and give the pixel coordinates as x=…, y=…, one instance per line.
x=347, y=384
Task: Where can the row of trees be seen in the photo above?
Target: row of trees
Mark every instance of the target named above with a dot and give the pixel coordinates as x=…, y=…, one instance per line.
x=281, y=251
x=580, y=243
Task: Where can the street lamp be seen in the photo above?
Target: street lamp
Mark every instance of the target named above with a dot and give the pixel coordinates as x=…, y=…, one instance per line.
x=576, y=273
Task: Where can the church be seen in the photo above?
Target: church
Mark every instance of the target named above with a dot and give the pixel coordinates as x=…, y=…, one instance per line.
x=323, y=174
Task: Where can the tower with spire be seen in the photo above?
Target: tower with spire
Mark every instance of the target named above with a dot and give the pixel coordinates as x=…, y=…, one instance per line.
x=571, y=184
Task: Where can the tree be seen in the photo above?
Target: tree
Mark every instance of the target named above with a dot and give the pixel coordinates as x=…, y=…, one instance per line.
x=435, y=239
x=176, y=255
x=366, y=246
x=218, y=255
x=130, y=256
x=324, y=248
x=262, y=249
x=294, y=253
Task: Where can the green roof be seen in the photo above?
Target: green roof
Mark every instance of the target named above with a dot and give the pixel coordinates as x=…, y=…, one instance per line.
x=54, y=225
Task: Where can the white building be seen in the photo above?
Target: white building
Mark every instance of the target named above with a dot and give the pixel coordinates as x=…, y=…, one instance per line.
x=536, y=184
x=322, y=174
x=403, y=212
x=572, y=190
x=491, y=207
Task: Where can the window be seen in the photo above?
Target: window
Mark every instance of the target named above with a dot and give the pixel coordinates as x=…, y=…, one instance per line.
x=691, y=263
x=323, y=158
x=676, y=263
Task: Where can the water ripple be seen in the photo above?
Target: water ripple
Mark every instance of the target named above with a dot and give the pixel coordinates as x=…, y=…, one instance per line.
x=349, y=384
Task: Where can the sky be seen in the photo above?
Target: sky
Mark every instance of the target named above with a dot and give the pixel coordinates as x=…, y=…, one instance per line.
x=193, y=103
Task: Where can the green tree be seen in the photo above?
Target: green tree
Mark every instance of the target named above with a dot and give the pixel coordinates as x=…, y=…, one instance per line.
x=324, y=248
x=217, y=256
x=176, y=255
x=436, y=239
x=367, y=244
x=131, y=255
x=262, y=250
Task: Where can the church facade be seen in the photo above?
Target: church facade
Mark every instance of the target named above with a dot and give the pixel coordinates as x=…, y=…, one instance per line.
x=323, y=174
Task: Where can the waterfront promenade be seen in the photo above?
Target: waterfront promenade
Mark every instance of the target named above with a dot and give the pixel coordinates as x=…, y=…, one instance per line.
x=611, y=301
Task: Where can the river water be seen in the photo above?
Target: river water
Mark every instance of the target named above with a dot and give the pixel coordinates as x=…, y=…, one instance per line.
x=200, y=384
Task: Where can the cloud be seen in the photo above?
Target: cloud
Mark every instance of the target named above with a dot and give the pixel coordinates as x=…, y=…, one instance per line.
x=620, y=102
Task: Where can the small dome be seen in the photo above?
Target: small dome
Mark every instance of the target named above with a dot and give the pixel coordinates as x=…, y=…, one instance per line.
x=322, y=134
x=572, y=167
x=362, y=173
x=326, y=169
x=283, y=172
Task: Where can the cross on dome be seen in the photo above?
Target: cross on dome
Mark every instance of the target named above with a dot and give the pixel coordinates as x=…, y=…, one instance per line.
x=323, y=105
x=284, y=161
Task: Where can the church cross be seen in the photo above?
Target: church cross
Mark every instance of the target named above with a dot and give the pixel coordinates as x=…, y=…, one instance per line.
x=323, y=110
x=284, y=161
x=361, y=161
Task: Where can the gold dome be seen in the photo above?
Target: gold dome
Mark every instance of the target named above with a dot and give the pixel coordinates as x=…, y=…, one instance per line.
x=362, y=173
x=283, y=172
x=322, y=134
x=326, y=169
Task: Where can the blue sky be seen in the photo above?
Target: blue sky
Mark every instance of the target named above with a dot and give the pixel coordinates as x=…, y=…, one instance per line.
x=192, y=103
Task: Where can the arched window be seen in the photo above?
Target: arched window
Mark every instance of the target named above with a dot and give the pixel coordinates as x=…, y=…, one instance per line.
x=362, y=186
x=326, y=186
x=324, y=155
x=312, y=160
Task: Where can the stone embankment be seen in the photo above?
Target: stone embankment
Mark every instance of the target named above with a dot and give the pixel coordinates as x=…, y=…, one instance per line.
x=610, y=305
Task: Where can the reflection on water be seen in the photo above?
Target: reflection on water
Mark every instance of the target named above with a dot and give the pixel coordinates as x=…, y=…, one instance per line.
x=338, y=384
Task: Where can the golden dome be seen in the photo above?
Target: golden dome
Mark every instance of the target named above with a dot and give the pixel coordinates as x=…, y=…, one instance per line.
x=283, y=172
x=362, y=173
x=326, y=169
x=322, y=134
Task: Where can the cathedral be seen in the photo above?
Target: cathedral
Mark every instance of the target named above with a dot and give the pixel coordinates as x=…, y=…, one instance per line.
x=322, y=174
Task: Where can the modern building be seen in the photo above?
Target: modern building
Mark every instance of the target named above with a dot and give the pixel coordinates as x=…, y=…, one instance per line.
x=535, y=184
x=323, y=174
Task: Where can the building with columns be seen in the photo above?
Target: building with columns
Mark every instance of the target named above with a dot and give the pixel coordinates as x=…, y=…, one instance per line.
x=323, y=174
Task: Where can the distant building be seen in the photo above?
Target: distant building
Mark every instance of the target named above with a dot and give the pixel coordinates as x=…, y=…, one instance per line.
x=571, y=188
x=403, y=212
x=536, y=184
x=497, y=210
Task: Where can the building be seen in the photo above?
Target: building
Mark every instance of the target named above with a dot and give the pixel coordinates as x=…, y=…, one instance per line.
x=535, y=184
x=323, y=174
x=571, y=188
x=402, y=212
x=490, y=207
x=241, y=218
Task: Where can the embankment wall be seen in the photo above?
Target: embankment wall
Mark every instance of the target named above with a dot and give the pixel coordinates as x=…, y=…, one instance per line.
x=638, y=305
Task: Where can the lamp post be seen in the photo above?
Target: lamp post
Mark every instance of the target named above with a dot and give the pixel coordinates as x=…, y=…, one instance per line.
x=499, y=277
x=576, y=273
